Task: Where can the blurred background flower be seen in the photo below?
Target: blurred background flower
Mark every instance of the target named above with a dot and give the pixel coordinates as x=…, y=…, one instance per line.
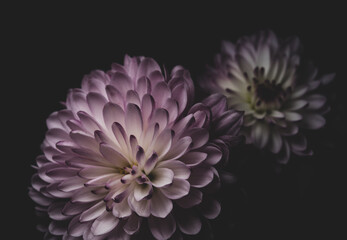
x=130, y=153
x=263, y=76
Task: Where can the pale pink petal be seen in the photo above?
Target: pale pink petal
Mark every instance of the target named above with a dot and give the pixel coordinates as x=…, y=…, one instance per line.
x=210, y=208
x=214, y=155
x=260, y=134
x=178, y=189
x=142, y=208
x=133, y=224
x=172, y=107
x=284, y=154
x=162, y=228
x=179, y=93
x=113, y=113
x=293, y=116
x=147, y=66
x=95, y=171
x=316, y=101
x=115, y=96
x=143, y=86
x=55, y=211
x=161, y=177
x=113, y=156
x=53, y=121
x=76, y=228
x=150, y=163
x=199, y=136
x=72, y=209
x=141, y=191
x=57, y=228
x=55, y=135
x=133, y=97
x=163, y=143
x=121, y=82
x=200, y=176
x=104, y=224
x=122, y=209
x=84, y=140
x=161, y=206
x=179, y=169
x=133, y=120
x=99, y=181
x=85, y=195
x=296, y=105
x=275, y=142
x=312, y=121
x=94, y=212
x=160, y=116
x=147, y=107
x=71, y=184
x=96, y=103
x=39, y=198
x=193, y=198
x=156, y=77
x=178, y=148
x=161, y=93
x=76, y=101
x=193, y=158
x=61, y=173
x=120, y=135
x=188, y=222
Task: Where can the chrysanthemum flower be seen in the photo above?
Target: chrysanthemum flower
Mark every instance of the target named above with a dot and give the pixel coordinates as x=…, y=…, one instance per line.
x=129, y=153
x=261, y=76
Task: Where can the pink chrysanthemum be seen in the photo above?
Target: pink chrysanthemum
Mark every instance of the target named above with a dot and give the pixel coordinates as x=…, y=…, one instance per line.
x=260, y=76
x=129, y=152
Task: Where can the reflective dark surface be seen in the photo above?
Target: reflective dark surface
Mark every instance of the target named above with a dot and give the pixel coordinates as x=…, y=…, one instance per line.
x=50, y=48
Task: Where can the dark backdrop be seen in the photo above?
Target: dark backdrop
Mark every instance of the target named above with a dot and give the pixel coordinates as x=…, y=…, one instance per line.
x=50, y=47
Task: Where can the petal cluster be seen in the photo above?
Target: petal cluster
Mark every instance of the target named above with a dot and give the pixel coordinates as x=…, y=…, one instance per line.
x=131, y=152
x=262, y=76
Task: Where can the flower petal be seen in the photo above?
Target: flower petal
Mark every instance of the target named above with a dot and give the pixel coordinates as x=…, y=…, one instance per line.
x=96, y=103
x=161, y=206
x=316, y=101
x=188, y=222
x=179, y=169
x=275, y=142
x=113, y=113
x=163, y=143
x=113, y=156
x=94, y=212
x=162, y=228
x=193, y=158
x=200, y=176
x=293, y=116
x=178, y=189
x=95, y=171
x=161, y=177
x=214, y=155
x=178, y=148
x=142, y=208
x=133, y=120
x=133, y=224
x=312, y=121
x=141, y=191
x=76, y=228
x=122, y=209
x=104, y=224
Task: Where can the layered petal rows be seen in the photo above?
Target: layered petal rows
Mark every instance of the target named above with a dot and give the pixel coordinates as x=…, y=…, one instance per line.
x=131, y=152
x=262, y=76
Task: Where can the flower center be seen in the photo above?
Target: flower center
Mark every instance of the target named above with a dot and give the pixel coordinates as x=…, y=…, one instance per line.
x=269, y=92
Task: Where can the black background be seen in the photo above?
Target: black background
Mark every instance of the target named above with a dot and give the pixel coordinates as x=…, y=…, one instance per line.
x=48, y=49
